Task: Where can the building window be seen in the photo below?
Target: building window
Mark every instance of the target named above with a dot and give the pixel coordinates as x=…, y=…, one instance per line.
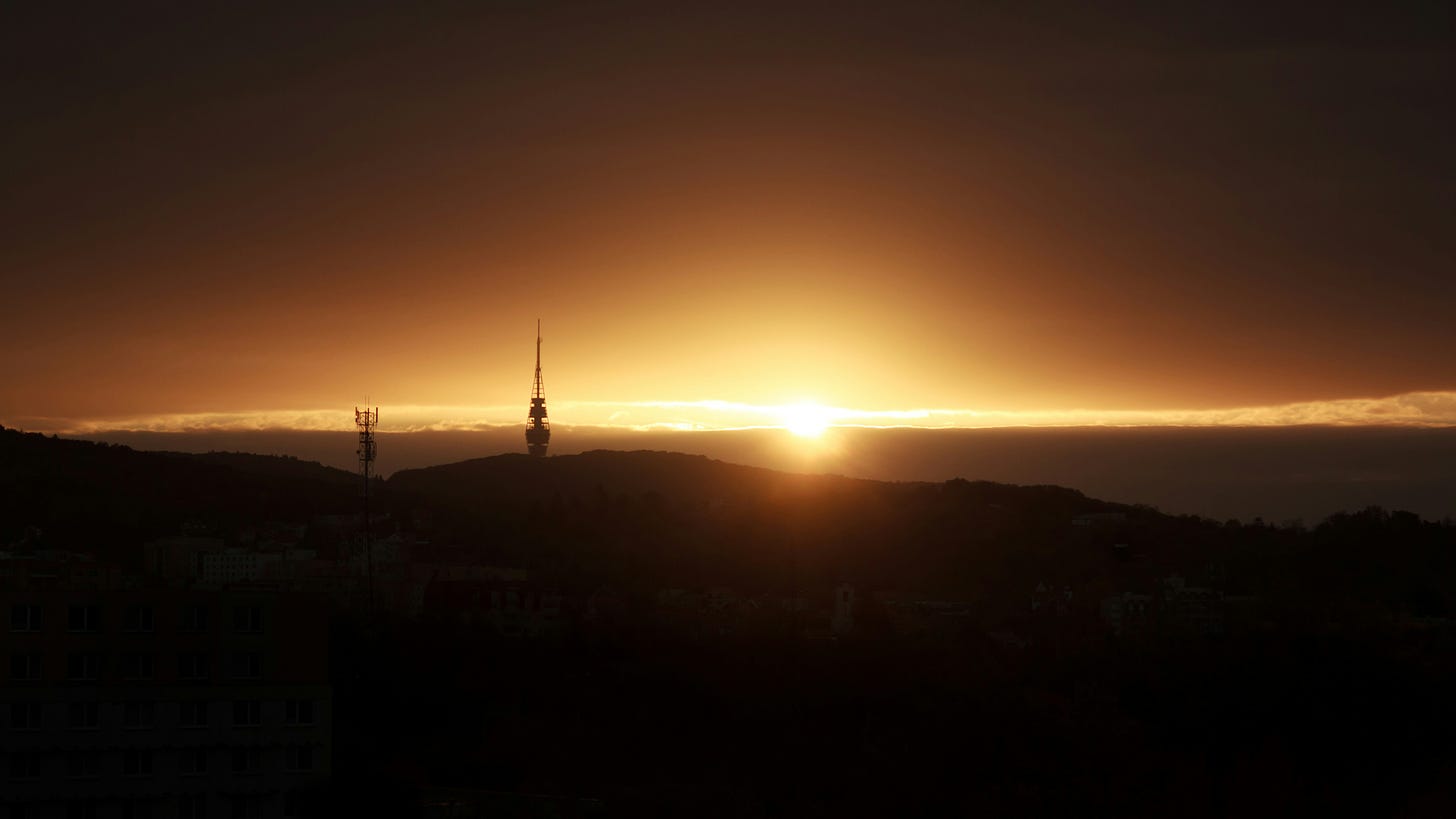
x=193, y=761
x=247, y=665
x=83, y=765
x=192, y=665
x=81, y=809
x=25, y=716
x=136, y=666
x=194, y=714
x=299, y=759
x=83, y=666
x=248, y=619
x=136, y=809
x=194, y=618
x=138, y=716
x=83, y=716
x=247, y=761
x=298, y=712
x=84, y=618
x=292, y=804
x=24, y=766
x=138, y=618
x=25, y=618
x=247, y=714
x=192, y=806
x=136, y=763
x=25, y=666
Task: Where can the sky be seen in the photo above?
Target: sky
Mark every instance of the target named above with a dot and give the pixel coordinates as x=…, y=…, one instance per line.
x=257, y=216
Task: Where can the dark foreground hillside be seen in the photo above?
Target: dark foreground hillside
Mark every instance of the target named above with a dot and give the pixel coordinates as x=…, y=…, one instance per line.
x=656, y=634
x=1258, y=725
x=1013, y=650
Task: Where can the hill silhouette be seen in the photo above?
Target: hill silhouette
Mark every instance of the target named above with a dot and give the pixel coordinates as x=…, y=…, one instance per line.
x=659, y=518
x=105, y=499
x=647, y=520
x=517, y=477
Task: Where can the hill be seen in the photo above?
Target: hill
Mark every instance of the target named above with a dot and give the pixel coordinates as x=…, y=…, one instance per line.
x=649, y=520
x=697, y=480
x=518, y=478
x=105, y=499
x=644, y=518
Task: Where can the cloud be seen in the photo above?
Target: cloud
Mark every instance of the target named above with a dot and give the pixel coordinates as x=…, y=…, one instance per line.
x=1418, y=409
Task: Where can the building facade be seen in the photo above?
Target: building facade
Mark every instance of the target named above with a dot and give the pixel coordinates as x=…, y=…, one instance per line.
x=163, y=703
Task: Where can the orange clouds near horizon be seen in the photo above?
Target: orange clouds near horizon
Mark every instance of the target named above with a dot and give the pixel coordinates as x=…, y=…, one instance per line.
x=1423, y=409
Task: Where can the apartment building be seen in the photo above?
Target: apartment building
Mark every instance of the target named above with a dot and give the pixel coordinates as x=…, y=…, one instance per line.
x=162, y=703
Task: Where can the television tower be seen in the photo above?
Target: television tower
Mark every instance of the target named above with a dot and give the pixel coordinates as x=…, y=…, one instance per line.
x=366, y=420
x=538, y=426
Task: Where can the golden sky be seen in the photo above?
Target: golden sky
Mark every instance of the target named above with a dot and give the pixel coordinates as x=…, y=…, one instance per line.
x=1004, y=216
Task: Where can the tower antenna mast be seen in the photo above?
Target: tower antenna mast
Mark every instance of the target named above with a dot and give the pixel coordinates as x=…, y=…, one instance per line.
x=538, y=425
x=366, y=420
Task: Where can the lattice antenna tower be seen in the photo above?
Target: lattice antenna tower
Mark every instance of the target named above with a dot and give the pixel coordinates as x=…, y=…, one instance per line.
x=366, y=420
x=538, y=425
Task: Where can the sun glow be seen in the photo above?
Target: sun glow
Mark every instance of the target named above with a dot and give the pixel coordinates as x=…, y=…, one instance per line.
x=806, y=419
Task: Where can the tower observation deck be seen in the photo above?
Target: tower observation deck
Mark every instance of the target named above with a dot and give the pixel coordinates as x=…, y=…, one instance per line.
x=538, y=426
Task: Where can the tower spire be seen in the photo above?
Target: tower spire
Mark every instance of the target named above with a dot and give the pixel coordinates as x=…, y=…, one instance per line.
x=538, y=426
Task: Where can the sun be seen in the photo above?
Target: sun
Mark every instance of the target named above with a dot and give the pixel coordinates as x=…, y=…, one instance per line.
x=805, y=419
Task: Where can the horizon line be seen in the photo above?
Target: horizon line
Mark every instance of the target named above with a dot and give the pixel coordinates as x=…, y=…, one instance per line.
x=1426, y=409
